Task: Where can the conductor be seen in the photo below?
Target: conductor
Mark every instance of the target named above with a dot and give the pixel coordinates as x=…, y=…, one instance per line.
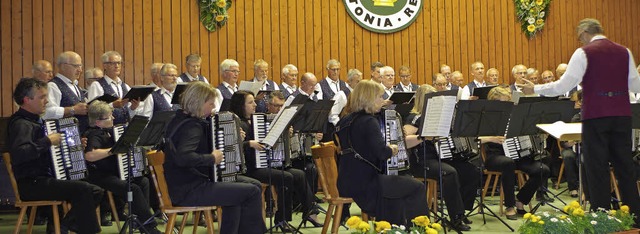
x=607, y=72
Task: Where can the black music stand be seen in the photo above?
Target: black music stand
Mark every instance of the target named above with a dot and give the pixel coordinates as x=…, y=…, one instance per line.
x=425, y=121
x=523, y=122
x=482, y=92
x=126, y=145
x=482, y=118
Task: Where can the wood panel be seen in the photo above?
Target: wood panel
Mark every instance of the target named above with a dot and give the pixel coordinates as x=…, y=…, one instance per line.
x=304, y=33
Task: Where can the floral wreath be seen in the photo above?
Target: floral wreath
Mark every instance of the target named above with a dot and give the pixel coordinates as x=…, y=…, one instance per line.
x=213, y=13
x=532, y=15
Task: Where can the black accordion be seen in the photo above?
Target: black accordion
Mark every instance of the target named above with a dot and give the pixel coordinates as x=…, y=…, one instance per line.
x=225, y=128
x=391, y=125
x=68, y=157
x=138, y=164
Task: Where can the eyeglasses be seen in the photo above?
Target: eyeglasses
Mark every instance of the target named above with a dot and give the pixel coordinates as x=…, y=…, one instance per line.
x=105, y=118
x=334, y=69
x=74, y=65
x=170, y=75
x=440, y=84
x=521, y=73
x=234, y=71
x=405, y=76
x=274, y=105
x=113, y=63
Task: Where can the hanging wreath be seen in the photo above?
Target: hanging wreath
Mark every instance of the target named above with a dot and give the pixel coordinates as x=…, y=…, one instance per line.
x=532, y=15
x=213, y=13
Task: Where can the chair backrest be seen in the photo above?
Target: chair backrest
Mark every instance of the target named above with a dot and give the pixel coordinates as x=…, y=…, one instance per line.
x=7, y=162
x=325, y=157
x=156, y=161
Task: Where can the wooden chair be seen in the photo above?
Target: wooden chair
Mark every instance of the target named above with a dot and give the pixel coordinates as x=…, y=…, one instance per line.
x=23, y=205
x=324, y=157
x=495, y=176
x=156, y=161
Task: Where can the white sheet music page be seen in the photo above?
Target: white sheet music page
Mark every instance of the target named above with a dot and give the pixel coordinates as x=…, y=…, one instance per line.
x=561, y=129
x=437, y=119
x=250, y=86
x=279, y=125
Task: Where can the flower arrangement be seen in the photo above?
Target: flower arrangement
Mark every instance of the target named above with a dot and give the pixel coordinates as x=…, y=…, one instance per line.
x=421, y=224
x=532, y=15
x=213, y=13
x=578, y=221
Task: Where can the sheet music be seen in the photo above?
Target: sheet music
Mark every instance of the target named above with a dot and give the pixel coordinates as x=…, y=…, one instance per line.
x=253, y=87
x=438, y=115
x=561, y=130
x=279, y=125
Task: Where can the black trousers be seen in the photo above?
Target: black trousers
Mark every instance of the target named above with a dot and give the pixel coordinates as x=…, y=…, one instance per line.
x=608, y=140
x=241, y=205
x=537, y=171
x=459, y=183
x=403, y=199
x=139, y=188
x=306, y=164
x=292, y=181
x=84, y=198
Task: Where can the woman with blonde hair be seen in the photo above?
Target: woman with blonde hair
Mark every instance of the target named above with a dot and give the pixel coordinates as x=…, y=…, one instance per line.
x=189, y=158
x=458, y=194
x=363, y=158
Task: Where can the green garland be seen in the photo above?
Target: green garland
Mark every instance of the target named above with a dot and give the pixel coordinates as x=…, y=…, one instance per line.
x=213, y=13
x=532, y=15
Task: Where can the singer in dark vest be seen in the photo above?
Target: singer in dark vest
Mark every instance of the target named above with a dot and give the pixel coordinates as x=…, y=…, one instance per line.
x=65, y=97
x=261, y=75
x=160, y=100
x=112, y=84
x=29, y=148
x=607, y=72
x=193, y=63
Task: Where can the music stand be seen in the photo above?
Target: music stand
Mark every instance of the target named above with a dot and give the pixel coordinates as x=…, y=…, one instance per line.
x=126, y=145
x=482, y=118
x=436, y=122
x=526, y=116
x=482, y=92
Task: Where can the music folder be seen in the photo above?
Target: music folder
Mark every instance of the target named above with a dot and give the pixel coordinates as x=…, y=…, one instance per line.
x=401, y=97
x=437, y=112
x=131, y=135
x=175, y=99
x=563, y=131
x=140, y=92
x=482, y=92
x=105, y=98
x=154, y=131
x=250, y=86
x=280, y=124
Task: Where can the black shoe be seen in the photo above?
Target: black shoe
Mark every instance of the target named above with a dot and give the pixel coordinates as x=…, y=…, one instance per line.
x=51, y=229
x=544, y=197
x=312, y=221
x=458, y=224
x=319, y=200
x=466, y=220
x=521, y=211
x=105, y=219
x=284, y=227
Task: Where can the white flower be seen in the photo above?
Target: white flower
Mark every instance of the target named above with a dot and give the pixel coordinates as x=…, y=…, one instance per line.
x=531, y=20
x=394, y=226
x=397, y=232
x=594, y=215
x=541, y=15
x=546, y=214
x=402, y=227
x=554, y=220
x=593, y=222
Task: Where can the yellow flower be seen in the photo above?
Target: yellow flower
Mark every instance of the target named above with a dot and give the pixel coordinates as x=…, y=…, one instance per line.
x=221, y=3
x=624, y=209
x=220, y=18
x=566, y=209
x=541, y=222
x=534, y=219
x=382, y=225
x=539, y=22
x=531, y=28
x=421, y=221
x=612, y=212
x=431, y=231
x=574, y=204
x=436, y=226
x=563, y=217
x=578, y=212
x=527, y=216
x=364, y=226
x=539, y=2
x=353, y=221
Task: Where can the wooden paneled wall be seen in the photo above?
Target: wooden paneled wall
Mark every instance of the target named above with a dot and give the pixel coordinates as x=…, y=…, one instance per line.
x=305, y=33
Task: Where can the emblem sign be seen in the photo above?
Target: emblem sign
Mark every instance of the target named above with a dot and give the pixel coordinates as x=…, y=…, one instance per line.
x=384, y=16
